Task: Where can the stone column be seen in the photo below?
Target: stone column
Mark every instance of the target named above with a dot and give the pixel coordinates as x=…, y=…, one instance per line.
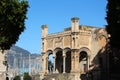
x=43, y=63
x=54, y=66
x=47, y=65
x=72, y=61
x=76, y=63
x=64, y=62
x=88, y=63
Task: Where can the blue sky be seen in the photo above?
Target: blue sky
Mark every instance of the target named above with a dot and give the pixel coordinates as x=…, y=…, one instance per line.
x=57, y=15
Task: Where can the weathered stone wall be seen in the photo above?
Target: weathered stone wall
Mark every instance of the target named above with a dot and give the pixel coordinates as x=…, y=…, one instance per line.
x=2, y=66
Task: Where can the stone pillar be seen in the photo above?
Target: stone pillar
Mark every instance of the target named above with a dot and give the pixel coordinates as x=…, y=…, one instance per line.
x=88, y=63
x=77, y=68
x=75, y=61
x=64, y=62
x=47, y=65
x=72, y=61
x=43, y=63
x=54, y=66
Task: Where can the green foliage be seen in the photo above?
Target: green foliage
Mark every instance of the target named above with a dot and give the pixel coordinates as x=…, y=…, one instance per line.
x=113, y=20
x=26, y=77
x=12, y=21
x=17, y=78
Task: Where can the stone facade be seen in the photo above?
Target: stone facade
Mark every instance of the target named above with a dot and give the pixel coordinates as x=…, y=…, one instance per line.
x=74, y=50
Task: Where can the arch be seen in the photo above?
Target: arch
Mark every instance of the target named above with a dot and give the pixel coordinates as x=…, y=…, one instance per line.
x=102, y=40
x=84, y=54
x=101, y=34
x=49, y=61
x=67, y=51
x=49, y=52
x=86, y=50
x=57, y=49
x=58, y=60
x=83, y=60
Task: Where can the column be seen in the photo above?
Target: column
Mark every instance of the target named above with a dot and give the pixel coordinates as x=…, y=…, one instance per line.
x=54, y=61
x=72, y=61
x=47, y=65
x=64, y=62
x=87, y=63
x=43, y=64
x=76, y=61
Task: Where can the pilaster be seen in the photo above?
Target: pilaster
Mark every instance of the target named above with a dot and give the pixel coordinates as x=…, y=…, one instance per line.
x=46, y=65
x=74, y=61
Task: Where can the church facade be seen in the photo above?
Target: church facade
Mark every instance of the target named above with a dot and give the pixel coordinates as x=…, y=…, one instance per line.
x=74, y=50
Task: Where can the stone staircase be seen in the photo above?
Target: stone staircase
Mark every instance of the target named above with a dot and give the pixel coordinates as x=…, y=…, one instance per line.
x=64, y=76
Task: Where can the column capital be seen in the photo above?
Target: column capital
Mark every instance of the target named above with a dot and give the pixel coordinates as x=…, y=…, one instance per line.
x=64, y=55
x=73, y=50
x=47, y=58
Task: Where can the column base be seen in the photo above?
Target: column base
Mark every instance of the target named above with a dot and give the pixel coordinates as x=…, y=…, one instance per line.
x=54, y=71
x=72, y=71
x=64, y=72
x=75, y=71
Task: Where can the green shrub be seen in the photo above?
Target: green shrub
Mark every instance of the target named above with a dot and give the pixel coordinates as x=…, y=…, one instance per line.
x=27, y=76
x=16, y=78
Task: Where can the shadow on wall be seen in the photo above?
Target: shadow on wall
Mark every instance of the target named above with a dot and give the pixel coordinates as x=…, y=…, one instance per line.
x=106, y=65
x=99, y=67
